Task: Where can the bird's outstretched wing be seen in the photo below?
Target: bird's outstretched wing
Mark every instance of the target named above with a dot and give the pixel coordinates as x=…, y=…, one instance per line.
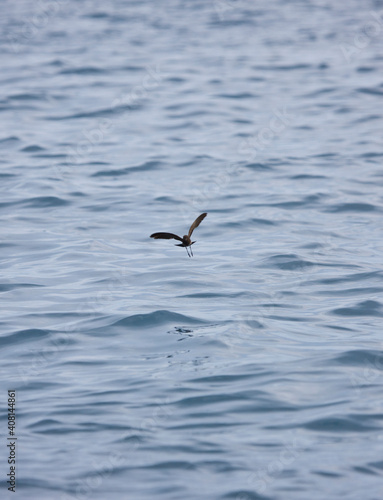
x=196, y=223
x=165, y=236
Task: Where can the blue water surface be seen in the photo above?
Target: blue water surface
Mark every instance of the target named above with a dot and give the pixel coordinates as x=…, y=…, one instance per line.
x=253, y=370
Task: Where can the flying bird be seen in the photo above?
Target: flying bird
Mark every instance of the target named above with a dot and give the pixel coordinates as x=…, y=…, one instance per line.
x=185, y=240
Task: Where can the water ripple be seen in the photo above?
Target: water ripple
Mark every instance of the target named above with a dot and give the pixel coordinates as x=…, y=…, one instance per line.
x=365, y=308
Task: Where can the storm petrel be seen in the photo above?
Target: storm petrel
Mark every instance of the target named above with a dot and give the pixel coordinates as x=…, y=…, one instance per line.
x=185, y=240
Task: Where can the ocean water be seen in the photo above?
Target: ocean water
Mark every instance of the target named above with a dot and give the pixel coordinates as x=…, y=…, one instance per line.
x=253, y=370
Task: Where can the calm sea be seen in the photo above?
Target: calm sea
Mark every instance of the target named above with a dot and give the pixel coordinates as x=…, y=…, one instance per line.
x=253, y=370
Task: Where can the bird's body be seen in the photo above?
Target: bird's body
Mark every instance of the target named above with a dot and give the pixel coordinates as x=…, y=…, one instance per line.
x=185, y=240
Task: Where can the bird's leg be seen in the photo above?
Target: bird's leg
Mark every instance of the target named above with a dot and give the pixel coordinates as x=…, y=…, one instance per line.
x=191, y=250
x=187, y=251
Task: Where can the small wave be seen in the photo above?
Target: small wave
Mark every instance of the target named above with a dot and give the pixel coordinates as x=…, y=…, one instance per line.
x=365, y=308
x=97, y=163
x=282, y=67
x=27, y=97
x=9, y=140
x=38, y=202
x=365, y=69
x=325, y=155
x=211, y=295
x=339, y=425
x=361, y=357
x=167, y=199
x=132, y=68
x=377, y=465
x=352, y=207
x=320, y=92
x=90, y=70
x=49, y=155
x=175, y=79
x=6, y=287
x=258, y=166
x=351, y=291
x=302, y=177
x=45, y=201
x=33, y=148
x=6, y=245
x=353, y=277
x=21, y=336
x=187, y=114
x=99, y=113
x=367, y=119
x=96, y=15
x=371, y=154
x=370, y=91
x=223, y=23
x=239, y=95
x=287, y=262
x=262, y=222
x=144, y=167
x=248, y=222
x=156, y=318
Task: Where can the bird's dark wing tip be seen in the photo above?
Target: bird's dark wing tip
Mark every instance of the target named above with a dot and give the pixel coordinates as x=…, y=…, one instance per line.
x=197, y=222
